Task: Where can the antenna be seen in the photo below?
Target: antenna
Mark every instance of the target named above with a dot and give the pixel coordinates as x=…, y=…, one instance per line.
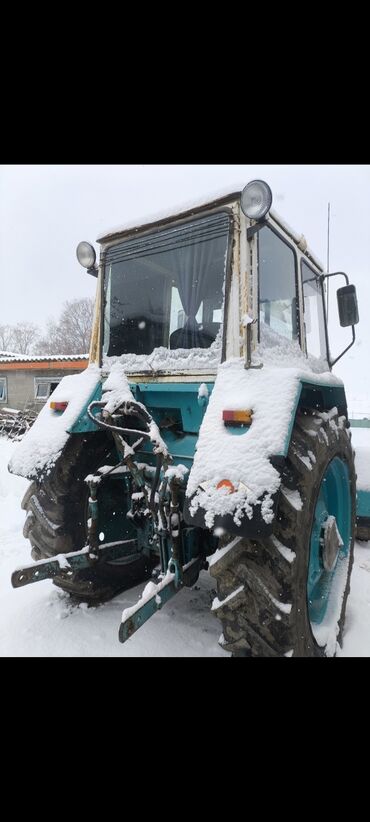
x=327, y=264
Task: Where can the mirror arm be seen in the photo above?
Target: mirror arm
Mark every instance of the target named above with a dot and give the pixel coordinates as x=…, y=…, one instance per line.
x=325, y=277
x=336, y=274
x=332, y=362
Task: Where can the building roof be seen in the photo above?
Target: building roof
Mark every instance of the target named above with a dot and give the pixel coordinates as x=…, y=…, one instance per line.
x=60, y=362
x=6, y=356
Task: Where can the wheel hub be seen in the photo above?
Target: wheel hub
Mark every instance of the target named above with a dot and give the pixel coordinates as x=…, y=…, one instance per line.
x=331, y=543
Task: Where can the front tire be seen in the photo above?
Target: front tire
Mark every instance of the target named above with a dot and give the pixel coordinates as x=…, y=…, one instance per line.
x=287, y=595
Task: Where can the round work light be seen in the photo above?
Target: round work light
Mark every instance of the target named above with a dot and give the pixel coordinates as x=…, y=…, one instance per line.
x=256, y=200
x=86, y=254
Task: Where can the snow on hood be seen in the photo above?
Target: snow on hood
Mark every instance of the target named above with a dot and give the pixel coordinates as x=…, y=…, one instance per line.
x=165, y=359
x=271, y=394
x=41, y=446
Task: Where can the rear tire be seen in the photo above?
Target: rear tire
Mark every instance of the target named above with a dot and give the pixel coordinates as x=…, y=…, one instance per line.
x=268, y=602
x=362, y=531
x=57, y=509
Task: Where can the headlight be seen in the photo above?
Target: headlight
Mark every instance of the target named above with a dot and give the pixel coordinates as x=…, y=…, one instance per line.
x=256, y=200
x=86, y=254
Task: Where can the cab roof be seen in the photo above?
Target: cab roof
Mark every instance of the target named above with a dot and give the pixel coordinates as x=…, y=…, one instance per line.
x=223, y=196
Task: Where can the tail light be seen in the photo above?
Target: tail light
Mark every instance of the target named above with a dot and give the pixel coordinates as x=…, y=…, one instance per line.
x=227, y=485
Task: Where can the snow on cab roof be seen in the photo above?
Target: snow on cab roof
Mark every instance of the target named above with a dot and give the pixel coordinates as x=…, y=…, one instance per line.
x=176, y=210
x=225, y=194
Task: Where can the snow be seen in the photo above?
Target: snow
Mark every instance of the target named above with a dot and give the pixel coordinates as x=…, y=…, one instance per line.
x=38, y=620
x=361, y=445
x=293, y=497
x=191, y=205
x=149, y=591
x=174, y=211
x=176, y=472
x=116, y=392
x=40, y=447
x=116, y=389
x=278, y=351
x=203, y=391
x=6, y=357
x=270, y=393
x=285, y=607
x=326, y=633
x=217, y=603
x=10, y=411
x=363, y=466
x=285, y=552
x=205, y=360
x=221, y=552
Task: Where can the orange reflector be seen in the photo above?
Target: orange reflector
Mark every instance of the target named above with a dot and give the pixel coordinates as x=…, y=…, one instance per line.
x=226, y=484
x=58, y=406
x=244, y=417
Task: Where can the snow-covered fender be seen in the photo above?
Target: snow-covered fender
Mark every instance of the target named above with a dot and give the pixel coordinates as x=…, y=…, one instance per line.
x=40, y=448
x=253, y=459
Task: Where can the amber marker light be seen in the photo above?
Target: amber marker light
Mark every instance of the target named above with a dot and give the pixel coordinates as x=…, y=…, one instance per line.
x=58, y=406
x=237, y=417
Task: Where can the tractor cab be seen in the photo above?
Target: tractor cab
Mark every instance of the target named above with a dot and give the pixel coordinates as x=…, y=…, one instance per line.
x=174, y=294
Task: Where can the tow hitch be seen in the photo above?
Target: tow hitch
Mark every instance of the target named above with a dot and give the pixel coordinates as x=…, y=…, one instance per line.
x=69, y=563
x=155, y=596
x=155, y=512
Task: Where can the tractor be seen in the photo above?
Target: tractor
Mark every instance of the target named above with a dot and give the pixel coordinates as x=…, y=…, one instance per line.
x=207, y=433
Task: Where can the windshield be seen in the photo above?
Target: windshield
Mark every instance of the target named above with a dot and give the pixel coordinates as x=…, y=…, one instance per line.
x=166, y=289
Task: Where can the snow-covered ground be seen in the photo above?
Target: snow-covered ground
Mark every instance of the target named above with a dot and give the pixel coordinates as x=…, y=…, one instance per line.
x=39, y=621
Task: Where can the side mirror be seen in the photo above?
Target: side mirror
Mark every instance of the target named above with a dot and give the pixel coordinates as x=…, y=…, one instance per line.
x=347, y=306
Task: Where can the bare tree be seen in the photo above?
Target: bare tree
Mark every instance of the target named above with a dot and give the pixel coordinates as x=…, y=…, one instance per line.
x=72, y=333
x=24, y=338
x=6, y=337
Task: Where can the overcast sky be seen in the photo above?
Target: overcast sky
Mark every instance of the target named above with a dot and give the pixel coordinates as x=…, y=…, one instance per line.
x=45, y=210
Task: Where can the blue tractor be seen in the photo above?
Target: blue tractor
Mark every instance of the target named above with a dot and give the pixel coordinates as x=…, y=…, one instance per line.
x=208, y=432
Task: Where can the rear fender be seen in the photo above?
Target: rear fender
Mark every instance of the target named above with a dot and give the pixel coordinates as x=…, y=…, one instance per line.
x=252, y=515
x=43, y=444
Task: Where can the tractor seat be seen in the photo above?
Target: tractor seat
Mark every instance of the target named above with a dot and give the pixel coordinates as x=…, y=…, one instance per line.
x=201, y=337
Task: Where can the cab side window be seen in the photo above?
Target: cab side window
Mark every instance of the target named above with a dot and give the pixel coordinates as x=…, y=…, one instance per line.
x=313, y=312
x=277, y=288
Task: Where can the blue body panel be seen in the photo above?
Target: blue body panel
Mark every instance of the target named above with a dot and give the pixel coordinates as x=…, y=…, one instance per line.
x=180, y=401
x=365, y=423
x=83, y=423
x=363, y=504
x=362, y=496
x=160, y=397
